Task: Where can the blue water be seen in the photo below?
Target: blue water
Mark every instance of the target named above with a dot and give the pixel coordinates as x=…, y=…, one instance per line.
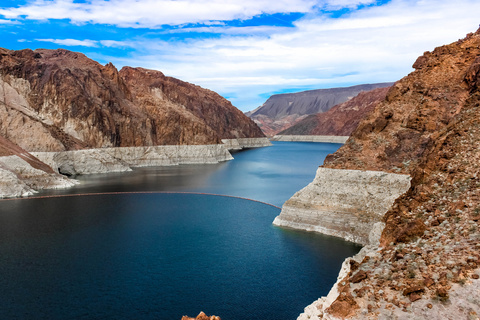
x=161, y=255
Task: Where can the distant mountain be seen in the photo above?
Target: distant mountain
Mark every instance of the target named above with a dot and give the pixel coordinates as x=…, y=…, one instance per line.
x=340, y=120
x=281, y=111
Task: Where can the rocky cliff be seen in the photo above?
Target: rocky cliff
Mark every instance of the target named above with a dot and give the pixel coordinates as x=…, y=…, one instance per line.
x=281, y=111
x=343, y=203
x=424, y=263
x=340, y=120
x=70, y=102
x=73, y=112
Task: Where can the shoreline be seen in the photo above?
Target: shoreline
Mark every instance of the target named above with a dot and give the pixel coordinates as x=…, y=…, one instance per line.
x=19, y=179
x=310, y=138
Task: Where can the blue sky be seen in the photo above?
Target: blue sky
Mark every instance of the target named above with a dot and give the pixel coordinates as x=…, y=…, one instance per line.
x=245, y=50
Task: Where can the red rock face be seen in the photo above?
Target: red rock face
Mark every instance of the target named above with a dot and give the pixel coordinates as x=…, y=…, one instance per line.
x=400, y=130
x=340, y=120
x=429, y=127
x=70, y=102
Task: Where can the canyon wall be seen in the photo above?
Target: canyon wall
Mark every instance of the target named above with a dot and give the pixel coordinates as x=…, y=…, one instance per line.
x=57, y=100
x=343, y=203
x=61, y=112
x=422, y=260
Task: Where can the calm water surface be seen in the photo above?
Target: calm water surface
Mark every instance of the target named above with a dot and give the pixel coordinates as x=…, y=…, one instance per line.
x=161, y=256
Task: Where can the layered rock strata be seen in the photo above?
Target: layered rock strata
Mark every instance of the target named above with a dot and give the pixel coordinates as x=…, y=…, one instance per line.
x=426, y=262
x=123, y=159
x=310, y=138
x=343, y=203
x=18, y=178
x=21, y=174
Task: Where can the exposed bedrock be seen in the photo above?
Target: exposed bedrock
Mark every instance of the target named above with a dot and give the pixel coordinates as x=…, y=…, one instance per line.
x=426, y=264
x=245, y=143
x=123, y=159
x=23, y=173
x=343, y=203
x=19, y=178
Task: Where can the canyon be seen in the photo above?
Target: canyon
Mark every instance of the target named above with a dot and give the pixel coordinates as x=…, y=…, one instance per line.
x=421, y=257
x=63, y=113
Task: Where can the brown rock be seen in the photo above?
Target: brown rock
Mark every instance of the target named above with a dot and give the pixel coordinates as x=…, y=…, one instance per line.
x=442, y=292
x=414, y=297
x=343, y=306
x=427, y=127
x=413, y=289
x=359, y=276
x=201, y=316
x=428, y=282
x=70, y=102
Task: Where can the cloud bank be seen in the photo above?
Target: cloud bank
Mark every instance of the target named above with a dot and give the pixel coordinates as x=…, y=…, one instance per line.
x=208, y=44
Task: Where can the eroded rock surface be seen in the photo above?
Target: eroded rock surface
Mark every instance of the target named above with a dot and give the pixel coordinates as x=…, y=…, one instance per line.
x=57, y=100
x=81, y=117
x=343, y=203
x=425, y=264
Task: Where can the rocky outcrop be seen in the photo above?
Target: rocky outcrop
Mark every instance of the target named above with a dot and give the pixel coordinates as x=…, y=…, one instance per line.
x=21, y=173
x=340, y=120
x=18, y=178
x=426, y=262
x=201, y=316
x=281, y=111
x=343, y=203
x=310, y=138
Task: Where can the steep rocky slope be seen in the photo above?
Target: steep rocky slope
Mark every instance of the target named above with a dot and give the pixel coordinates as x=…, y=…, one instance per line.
x=63, y=112
x=281, y=111
x=340, y=120
x=70, y=102
x=21, y=173
x=425, y=263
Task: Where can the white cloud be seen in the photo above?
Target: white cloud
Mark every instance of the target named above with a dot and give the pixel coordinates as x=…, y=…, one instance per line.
x=71, y=42
x=153, y=13
x=372, y=45
x=3, y=21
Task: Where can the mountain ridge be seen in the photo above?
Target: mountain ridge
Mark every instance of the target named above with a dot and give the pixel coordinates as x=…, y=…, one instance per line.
x=340, y=120
x=281, y=111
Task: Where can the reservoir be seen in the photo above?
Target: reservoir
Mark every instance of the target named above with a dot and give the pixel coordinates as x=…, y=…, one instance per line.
x=160, y=243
